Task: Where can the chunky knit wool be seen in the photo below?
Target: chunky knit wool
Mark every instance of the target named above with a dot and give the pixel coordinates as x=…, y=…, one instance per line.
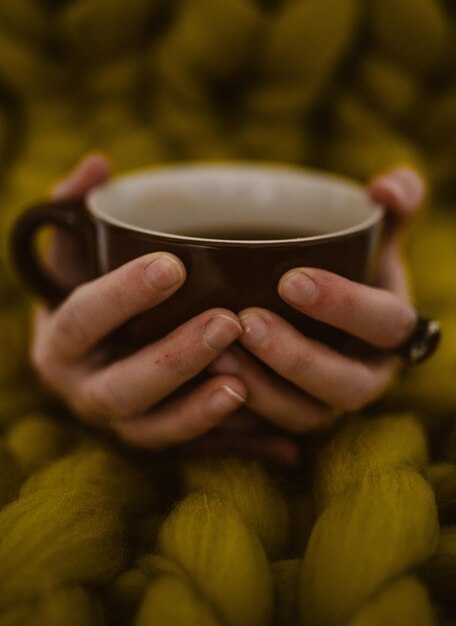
x=364, y=533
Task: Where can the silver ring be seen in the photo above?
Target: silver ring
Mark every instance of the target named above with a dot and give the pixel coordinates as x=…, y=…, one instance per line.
x=422, y=343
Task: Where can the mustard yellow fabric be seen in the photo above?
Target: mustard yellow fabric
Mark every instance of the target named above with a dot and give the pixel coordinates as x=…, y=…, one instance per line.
x=364, y=533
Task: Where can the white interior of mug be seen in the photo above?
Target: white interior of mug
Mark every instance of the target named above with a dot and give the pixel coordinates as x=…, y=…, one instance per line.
x=187, y=200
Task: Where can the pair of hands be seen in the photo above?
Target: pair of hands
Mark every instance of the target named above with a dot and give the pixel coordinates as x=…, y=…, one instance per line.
x=305, y=386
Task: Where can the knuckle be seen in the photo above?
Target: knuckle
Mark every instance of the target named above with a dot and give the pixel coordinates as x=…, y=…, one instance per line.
x=68, y=323
x=298, y=361
x=104, y=399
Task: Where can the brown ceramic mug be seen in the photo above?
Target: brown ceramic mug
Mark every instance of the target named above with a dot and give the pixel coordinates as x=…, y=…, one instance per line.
x=237, y=227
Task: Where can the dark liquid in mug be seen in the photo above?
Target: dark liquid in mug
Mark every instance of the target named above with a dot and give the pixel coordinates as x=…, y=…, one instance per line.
x=248, y=233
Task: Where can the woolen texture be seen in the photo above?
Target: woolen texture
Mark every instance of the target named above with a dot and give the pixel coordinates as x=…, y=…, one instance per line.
x=363, y=533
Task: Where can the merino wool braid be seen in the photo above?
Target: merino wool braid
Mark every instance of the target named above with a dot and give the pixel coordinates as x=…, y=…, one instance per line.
x=373, y=502
x=363, y=533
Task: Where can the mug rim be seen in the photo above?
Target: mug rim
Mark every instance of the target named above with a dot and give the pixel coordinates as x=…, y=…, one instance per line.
x=376, y=216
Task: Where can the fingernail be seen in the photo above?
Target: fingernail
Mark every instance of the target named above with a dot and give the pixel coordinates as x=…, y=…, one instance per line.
x=255, y=329
x=220, y=331
x=163, y=273
x=225, y=364
x=225, y=399
x=298, y=288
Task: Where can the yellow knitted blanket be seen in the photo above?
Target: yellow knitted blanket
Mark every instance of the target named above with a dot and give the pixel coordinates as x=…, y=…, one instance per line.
x=364, y=533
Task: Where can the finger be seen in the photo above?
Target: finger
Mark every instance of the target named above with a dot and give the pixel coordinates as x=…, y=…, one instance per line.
x=331, y=377
x=65, y=261
x=374, y=315
x=278, y=449
x=92, y=170
x=402, y=190
x=185, y=418
x=392, y=273
x=96, y=308
x=130, y=386
x=63, y=256
x=270, y=396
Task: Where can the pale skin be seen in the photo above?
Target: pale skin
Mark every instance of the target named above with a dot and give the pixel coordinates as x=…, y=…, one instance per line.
x=306, y=385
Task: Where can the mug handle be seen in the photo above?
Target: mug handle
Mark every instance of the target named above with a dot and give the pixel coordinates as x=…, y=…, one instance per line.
x=67, y=214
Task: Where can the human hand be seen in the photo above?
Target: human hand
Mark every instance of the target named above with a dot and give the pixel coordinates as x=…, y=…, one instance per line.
x=310, y=384
x=129, y=395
